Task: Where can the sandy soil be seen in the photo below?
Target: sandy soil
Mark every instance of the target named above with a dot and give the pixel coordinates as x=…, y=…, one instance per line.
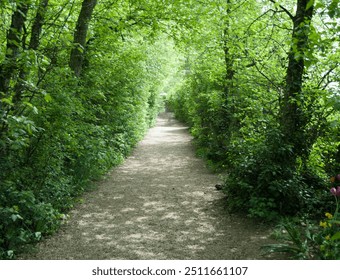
x=160, y=204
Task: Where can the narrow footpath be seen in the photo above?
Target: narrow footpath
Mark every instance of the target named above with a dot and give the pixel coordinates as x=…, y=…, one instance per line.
x=160, y=204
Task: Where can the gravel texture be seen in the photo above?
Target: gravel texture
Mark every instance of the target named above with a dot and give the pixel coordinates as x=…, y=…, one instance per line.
x=160, y=204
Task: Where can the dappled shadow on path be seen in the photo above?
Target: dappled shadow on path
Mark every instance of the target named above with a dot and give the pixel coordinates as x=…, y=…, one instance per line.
x=160, y=204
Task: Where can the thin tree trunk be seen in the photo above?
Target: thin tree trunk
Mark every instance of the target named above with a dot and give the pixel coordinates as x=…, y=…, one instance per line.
x=229, y=121
x=77, y=53
x=33, y=45
x=9, y=67
x=14, y=37
x=291, y=115
x=227, y=57
x=38, y=24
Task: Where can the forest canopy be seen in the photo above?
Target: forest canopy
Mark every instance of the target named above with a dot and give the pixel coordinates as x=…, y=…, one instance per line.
x=257, y=81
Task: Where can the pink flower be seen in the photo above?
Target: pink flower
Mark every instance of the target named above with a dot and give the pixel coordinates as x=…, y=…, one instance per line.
x=335, y=191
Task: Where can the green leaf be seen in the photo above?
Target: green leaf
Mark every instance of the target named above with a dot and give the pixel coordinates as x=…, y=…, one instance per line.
x=34, y=109
x=7, y=101
x=336, y=236
x=47, y=97
x=10, y=254
x=310, y=4
x=37, y=235
x=16, y=217
x=333, y=8
x=319, y=5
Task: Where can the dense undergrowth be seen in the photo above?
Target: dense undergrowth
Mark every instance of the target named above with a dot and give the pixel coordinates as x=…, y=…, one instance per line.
x=232, y=96
x=80, y=83
x=68, y=136
x=276, y=135
x=61, y=131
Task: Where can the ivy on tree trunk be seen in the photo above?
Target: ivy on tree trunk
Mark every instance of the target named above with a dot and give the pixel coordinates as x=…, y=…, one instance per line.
x=38, y=24
x=292, y=119
x=14, y=37
x=33, y=45
x=77, y=53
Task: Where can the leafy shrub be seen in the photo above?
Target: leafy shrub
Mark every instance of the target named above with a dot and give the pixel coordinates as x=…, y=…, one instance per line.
x=71, y=132
x=260, y=182
x=24, y=220
x=306, y=239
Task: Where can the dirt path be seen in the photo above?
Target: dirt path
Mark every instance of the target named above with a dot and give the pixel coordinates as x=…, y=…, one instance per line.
x=160, y=204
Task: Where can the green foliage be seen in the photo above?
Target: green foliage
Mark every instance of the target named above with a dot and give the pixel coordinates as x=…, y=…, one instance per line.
x=58, y=132
x=306, y=240
x=263, y=186
x=24, y=219
x=233, y=94
x=224, y=76
x=299, y=241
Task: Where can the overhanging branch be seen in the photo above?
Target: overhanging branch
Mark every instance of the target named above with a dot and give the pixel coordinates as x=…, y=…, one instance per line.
x=285, y=10
x=326, y=75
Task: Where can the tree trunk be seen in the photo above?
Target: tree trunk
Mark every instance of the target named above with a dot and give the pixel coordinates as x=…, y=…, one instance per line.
x=292, y=119
x=77, y=53
x=9, y=67
x=14, y=36
x=228, y=108
x=227, y=57
x=38, y=24
x=33, y=45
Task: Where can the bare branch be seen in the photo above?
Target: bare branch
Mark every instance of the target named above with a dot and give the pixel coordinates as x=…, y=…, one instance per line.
x=265, y=76
x=326, y=76
x=285, y=10
x=255, y=20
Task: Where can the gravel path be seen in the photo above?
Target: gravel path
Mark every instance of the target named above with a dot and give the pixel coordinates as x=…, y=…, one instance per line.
x=160, y=204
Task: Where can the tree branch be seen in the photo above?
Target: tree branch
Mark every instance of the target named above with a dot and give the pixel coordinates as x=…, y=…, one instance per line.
x=285, y=10
x=326, y=75
x=255, y=20
x=265, y=76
